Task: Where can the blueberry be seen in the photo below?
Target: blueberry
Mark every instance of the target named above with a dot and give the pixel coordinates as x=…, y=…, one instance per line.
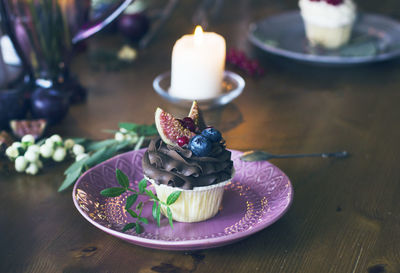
x=212, y=134
x=200, y=145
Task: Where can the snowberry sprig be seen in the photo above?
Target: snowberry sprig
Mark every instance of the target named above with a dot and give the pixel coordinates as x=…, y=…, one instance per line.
x=28, y=156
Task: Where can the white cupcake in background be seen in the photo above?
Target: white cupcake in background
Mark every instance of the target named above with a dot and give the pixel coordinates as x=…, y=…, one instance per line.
x=328, y=22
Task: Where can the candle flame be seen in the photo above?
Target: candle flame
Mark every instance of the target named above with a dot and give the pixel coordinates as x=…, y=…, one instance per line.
x=198, y=35
x=198, y=31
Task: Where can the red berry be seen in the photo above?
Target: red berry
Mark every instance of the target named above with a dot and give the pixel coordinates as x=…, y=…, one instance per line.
x=182, y=141
x=189, y=123
x=334, y=2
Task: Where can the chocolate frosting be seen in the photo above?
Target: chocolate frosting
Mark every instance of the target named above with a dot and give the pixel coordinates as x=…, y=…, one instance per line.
x=178, y=167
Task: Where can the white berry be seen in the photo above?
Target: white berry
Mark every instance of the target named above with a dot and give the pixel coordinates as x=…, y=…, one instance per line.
x=133, y=138
x=20, y=164
x=17, y=145
x=119, y=136
x=81, y=156
x=123, y=130
x=31, y=156
x=46, y=150
x=56, y=139
x=69, y=143
x=78, y=149
x=12, y=152
x=32, y=169
x=28, y=139
x=34, y=148
x=59, y=154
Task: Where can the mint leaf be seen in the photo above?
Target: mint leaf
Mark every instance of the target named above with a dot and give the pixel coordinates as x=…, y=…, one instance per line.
x=122, y=178
x=128, y=227
x=130, y=200
x=139, y=206
x=113, y=192
x=143, y=220
x=173, y=197
x=71, y=177
x=169, y=215
x=154, y=210
x=151, y=195
x=142, y=185
x=132, y=213
x=138, y=228
x=158, y=214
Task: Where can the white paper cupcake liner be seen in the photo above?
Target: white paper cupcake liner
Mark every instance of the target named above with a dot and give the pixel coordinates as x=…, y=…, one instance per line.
x=328, y=37
x=198, y=204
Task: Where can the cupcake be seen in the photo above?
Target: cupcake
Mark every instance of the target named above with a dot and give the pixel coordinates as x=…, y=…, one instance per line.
x=328, y=22
x=192, y=159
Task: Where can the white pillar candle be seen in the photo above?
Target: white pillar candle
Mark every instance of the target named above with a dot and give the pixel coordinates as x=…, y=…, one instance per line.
x=198, y=64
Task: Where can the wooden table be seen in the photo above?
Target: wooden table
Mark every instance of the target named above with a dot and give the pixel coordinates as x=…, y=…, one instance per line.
x=346, y=213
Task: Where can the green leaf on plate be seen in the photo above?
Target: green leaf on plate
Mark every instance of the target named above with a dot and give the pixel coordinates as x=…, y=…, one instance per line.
x=151, y=195
x=154, y=210
x=142, y=185
x=113, y=192
x=173, y=197
x=122, y=179
x=139, y=206
x=130, y=200
x=158, y=214
x=132, y=213
x=139, y=228
x=128, y=226
x=144, y=220
x=169, y=215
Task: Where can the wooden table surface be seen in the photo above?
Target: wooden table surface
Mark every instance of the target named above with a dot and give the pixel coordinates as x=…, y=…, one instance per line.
x=346, y=213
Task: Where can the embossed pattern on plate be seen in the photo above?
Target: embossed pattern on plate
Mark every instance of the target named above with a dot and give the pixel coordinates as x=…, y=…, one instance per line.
x=258, y=195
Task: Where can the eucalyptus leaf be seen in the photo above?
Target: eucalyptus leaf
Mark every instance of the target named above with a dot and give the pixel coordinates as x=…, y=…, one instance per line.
x=128, y=126
x=173, y=197
x=132, y=213
x=94, y=146
x=79, y=140
x=139, y=143
x=131, y=200
x=123, y=145
x=71, y=178
x=147, y=130
x=76, y=165
x=128, y=226
x=113, y=192
x=122, y=179
x=169, y=215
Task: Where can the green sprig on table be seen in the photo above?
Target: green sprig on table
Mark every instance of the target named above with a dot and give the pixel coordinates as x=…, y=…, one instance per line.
x=123, y=181
x=130, y=135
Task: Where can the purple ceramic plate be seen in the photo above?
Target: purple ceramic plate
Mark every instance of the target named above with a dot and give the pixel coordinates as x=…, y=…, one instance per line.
x=258, y=195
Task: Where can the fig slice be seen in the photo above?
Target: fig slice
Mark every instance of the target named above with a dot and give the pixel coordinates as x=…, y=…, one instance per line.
x=34, y=127
x=169, y=128
x=196, y=115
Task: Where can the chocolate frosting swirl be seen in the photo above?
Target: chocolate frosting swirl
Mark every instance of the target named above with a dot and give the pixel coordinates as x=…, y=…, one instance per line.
x=179, y=167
